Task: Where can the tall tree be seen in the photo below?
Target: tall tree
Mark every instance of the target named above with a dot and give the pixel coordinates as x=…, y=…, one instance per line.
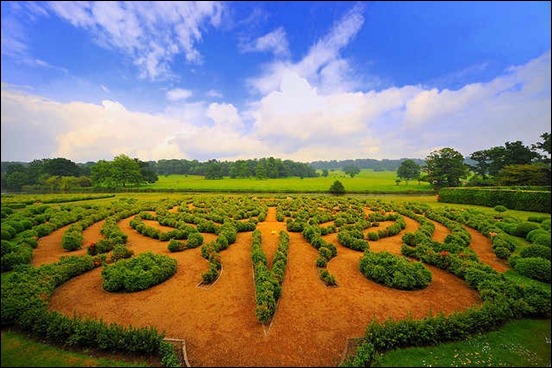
x=409, y=170
x=61, y=167
x=213, y=170
x=445, y=168
x=126, y=170
x=544, y=146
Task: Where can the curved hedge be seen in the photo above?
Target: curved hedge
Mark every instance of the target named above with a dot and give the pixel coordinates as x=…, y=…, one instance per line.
x=524, y=200
x=138, y=273
x=394, y=271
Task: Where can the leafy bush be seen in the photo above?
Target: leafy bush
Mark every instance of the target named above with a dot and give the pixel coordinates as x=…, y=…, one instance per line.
x=535, y=268
x=534, y=250
x=394, y=271
x=500, y=208
x=138, y=273
x=525, y=227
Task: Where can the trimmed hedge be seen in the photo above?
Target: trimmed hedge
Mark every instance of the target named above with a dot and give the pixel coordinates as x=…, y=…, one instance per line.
x=138, y=273
x=524, y=200
x=394, y=271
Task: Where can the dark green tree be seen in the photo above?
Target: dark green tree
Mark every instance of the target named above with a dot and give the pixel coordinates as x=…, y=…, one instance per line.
x=534, y=174
x=351, y=170
x=409, y=170
x=213, y=170
x=445, y=168
x=61, y=167
x=337, y=188
x=148, y=174
x=545, y=147
x=126, y=170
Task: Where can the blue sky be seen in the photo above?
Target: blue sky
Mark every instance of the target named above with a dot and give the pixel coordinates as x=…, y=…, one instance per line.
x=296, y=80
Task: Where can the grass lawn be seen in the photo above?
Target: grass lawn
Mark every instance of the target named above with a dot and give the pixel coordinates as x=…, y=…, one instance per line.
x=367, y=181
x=18, y=350
x=522, y=343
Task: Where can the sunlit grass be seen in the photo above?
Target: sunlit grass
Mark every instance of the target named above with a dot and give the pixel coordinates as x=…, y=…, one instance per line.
x=18, y=350
x=522, y=343
x=367, y=181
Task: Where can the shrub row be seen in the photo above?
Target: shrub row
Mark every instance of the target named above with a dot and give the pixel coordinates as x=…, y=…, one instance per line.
x=24, y=305
x=227, y=235
x=524, y=200
x=326, y=251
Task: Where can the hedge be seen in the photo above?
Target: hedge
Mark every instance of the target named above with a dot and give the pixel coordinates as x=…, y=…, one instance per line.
x=524, y=200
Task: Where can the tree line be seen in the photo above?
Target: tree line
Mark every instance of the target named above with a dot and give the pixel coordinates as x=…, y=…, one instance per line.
x=61, y=174
x=263, y=168
x=513, y=164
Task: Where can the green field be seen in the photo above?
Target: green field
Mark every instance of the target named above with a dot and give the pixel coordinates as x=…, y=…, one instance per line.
x=367, y=181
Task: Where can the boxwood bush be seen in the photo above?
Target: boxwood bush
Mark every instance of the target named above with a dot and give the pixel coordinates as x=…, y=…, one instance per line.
x=138, y=273
x=394, y=271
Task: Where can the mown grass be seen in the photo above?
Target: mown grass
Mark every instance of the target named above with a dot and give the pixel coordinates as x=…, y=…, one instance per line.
x=367, y=181
x=521, y=343
x=19, y=350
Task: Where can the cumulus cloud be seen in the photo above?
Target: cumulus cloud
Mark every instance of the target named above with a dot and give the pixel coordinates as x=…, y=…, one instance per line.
x=150, y=33
x=295, y=121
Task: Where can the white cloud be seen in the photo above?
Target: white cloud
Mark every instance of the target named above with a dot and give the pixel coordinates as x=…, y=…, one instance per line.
x=225, y=116
x=151, y=33
x=213, y=94
x=295, y=121
x=323, y=66
x=274, y=42
x=178, y=94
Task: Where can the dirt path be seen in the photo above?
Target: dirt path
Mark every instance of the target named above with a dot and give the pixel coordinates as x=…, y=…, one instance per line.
x=482, y=246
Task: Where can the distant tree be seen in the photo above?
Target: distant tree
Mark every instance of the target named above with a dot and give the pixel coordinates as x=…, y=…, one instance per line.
x=213, y=170
x=544, y=146
x=445, y=168
x=61, y=167
x=409, y=170
x=148, y=174
x=126, y=170
x=325, y=173
x=351, y=170
x=260, y=170
x=337, y=188
x=16, y=180
x=101, y=174
x=535, y=174
x=481, y=159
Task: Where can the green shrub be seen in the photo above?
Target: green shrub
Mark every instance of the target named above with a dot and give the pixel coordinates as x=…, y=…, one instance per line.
x=120, y=252
x=534, y=250
x=525, y=227
x=534, y=268
x=138, y=273
x=394, y=271
x=500, y=208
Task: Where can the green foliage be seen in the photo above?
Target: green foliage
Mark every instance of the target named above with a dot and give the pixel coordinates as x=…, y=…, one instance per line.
x=337, y=188
x=138, y=273
x=535, y=250
x=534, y=267
x=538, y=201
x=445, y=167
x=394, y=271
x=409, y=170
x=500, y=208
